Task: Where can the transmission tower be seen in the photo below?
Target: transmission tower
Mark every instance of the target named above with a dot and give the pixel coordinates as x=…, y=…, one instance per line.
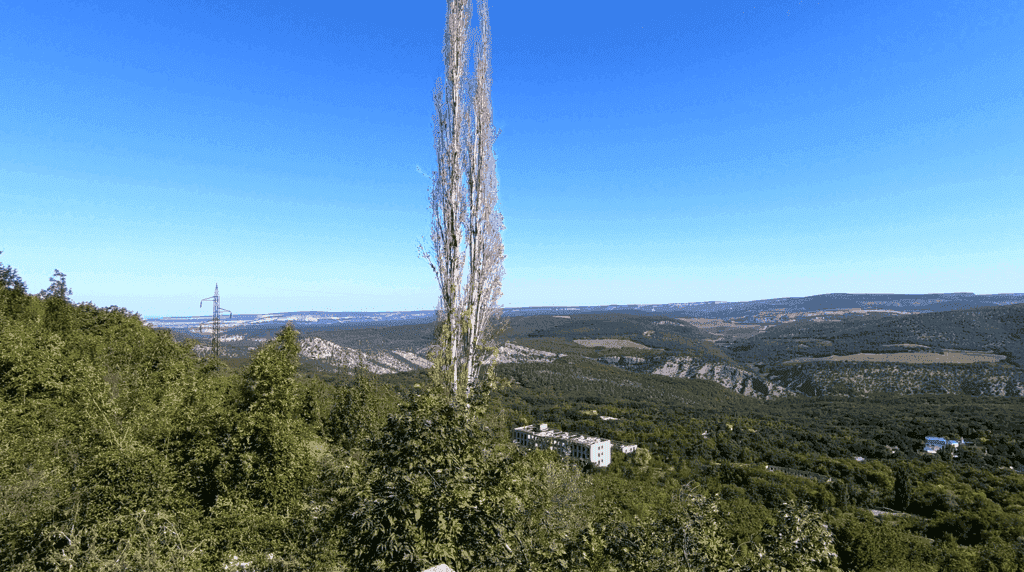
x=215, y=322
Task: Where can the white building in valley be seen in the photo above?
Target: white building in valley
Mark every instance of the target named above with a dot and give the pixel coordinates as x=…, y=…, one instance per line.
x=626, y=448
x=933, y=445
x=591, y=449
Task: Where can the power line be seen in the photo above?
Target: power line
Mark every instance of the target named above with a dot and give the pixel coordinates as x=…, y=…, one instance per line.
x=215, y=322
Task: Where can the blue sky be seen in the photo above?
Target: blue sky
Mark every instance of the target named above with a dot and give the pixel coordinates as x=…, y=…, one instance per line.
x=650, y=152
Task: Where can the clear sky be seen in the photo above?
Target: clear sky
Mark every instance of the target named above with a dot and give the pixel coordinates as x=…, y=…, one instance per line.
x=651, y=152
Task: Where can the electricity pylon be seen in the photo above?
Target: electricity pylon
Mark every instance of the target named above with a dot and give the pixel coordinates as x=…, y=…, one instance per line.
x=215, y=322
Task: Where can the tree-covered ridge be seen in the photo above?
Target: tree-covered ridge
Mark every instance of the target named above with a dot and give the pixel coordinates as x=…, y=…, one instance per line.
x=998, y=329
x=661, y=337
x=861, y=377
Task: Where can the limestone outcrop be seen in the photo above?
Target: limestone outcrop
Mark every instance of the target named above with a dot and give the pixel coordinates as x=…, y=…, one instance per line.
x=514, y=353
x=738, y=380
x=624, y=360
x=393, y=361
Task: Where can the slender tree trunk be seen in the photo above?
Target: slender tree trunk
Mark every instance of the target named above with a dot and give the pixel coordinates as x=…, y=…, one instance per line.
x=484, y=222
x=465, y=220
x=446, y=197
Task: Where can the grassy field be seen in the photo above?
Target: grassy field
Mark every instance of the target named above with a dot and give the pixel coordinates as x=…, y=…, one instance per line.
x=611, y=343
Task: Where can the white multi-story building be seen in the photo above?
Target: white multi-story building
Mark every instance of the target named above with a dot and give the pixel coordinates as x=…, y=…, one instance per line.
x=591, y=449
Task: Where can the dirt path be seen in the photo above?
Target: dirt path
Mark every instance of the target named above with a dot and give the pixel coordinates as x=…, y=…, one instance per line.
x=611, y=343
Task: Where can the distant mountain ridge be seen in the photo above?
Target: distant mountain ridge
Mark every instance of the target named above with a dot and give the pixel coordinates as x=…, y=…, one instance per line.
x=757, y=311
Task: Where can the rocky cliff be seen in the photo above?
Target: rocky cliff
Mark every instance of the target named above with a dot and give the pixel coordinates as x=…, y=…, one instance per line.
x=731, y=377
x=394, y=361
x=738, y=380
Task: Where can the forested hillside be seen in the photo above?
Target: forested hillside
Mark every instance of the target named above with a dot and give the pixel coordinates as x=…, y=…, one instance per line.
x=671, y=336
x=123, y=450
x=999, y=329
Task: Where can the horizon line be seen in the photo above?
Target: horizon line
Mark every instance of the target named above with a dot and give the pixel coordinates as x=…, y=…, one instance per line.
x=568, y=306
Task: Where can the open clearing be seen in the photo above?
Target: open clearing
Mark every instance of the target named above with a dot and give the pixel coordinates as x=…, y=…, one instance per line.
x=947, y=356
x=721, y=330
x=611, y=343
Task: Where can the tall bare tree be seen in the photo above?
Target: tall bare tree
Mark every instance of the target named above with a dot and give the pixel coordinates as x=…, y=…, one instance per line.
x=463, y=200
x=484, y=222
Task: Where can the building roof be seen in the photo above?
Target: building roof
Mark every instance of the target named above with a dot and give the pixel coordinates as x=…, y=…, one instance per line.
x=563, y=435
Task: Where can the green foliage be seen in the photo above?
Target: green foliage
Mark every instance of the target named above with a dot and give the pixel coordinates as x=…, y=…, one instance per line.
x=358, y=412
x=142, y=540
x=14, y=298
x=902, y=488
x=121, y=450
x=687, y=533
x=800, y=542
x=81, y=478
x=271, y=388
x=438, y=488
x=264, y=465
x=58, y=315
x=555, y=510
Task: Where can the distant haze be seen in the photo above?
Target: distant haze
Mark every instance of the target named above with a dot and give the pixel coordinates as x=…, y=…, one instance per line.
x=665, y=152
